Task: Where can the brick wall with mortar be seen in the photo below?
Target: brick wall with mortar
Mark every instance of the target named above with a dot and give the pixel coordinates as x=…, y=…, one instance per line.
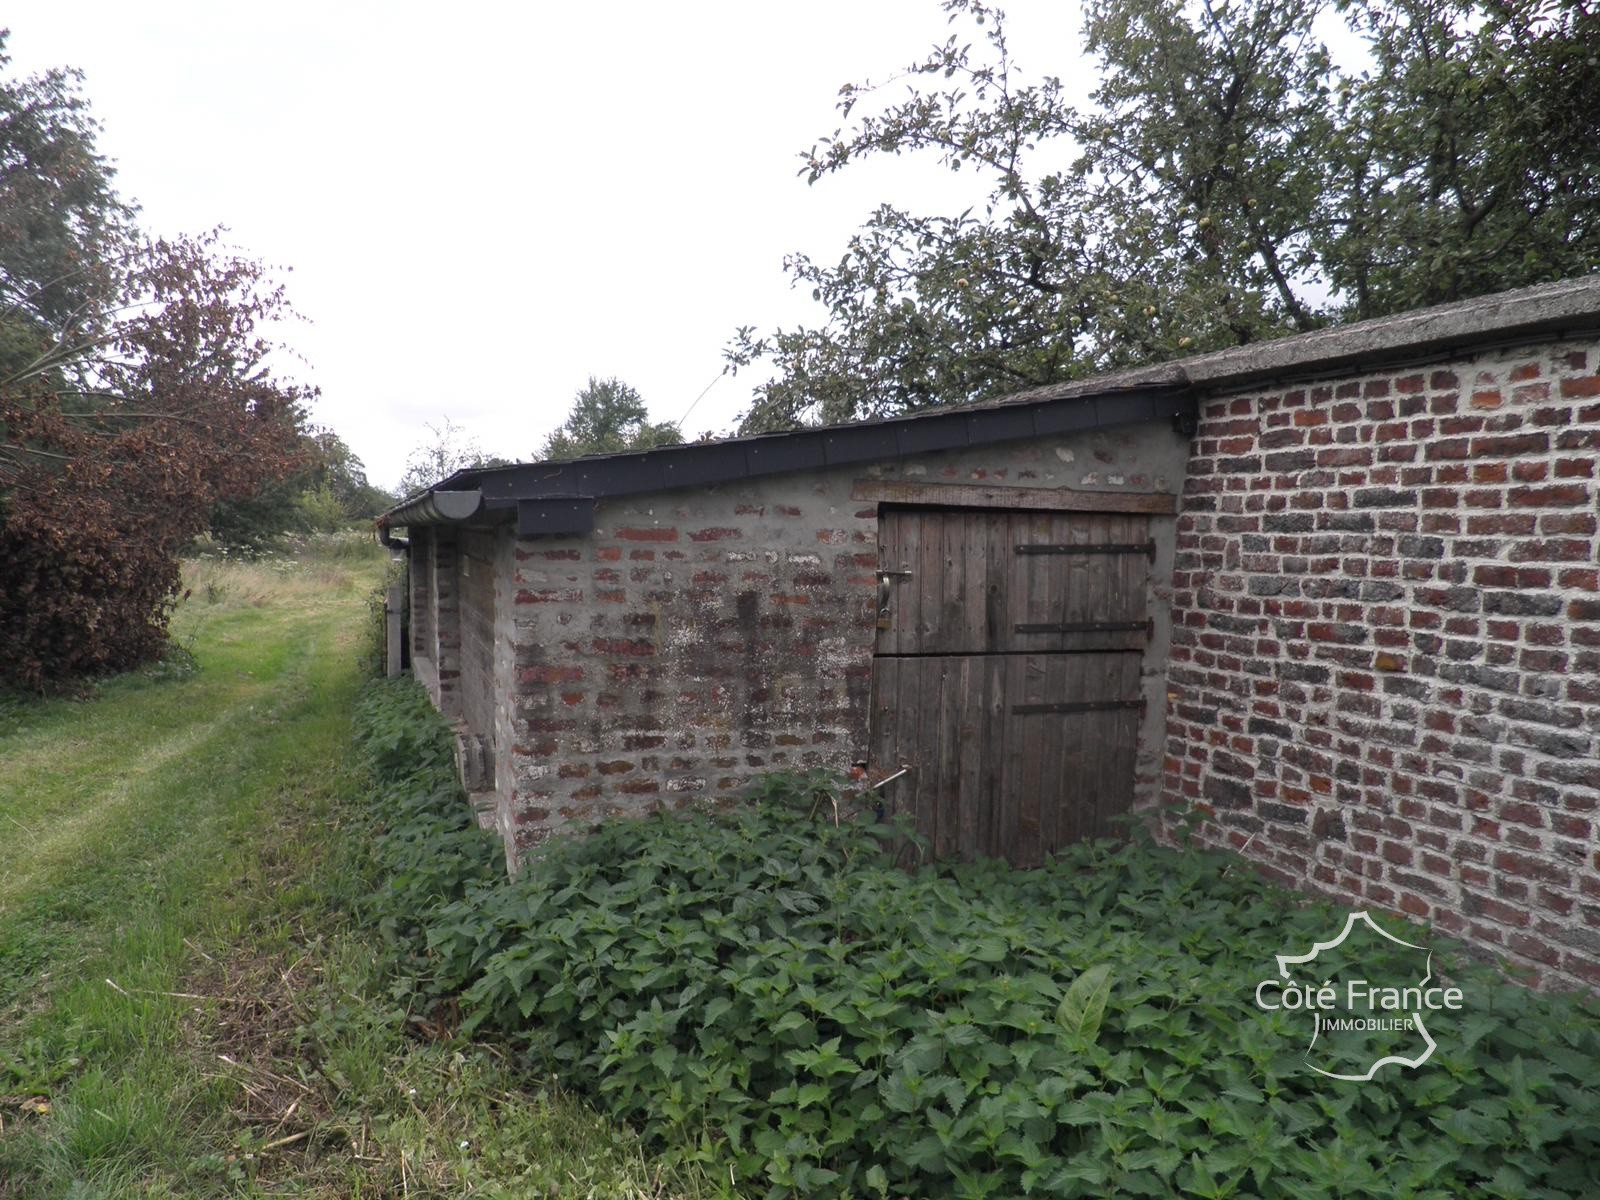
x=1384, y=681
x=420, y=575
x=476, y=593
x=445, y=647
x=698, y=638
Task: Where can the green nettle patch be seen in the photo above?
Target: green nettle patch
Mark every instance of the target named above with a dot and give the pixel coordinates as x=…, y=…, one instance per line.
x=761, y=991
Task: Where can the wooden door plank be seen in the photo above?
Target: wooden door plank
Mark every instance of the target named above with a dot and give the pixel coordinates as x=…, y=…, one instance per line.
x=906, y=588
x=994, y=756
x=1017, y=585
x=951, y=633
x=1076, y=750
x=946, y=840
x=924, y=583
x=971, y=750
x=884, y=750
x=890, y=531
x=1036, y=734
x=1052, y=759
x=1017, y=758
x=996, y=567
x=902, y=587
x=974, y=577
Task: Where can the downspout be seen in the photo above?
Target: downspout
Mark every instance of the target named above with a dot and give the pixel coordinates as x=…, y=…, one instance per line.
x=387, y=541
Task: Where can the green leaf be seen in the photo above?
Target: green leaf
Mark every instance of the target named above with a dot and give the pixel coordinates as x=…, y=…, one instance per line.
x=1084, y=1005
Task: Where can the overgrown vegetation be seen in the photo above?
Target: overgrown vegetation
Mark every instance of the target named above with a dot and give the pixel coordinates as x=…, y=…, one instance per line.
x=139, y=404
x=190, y=1003
x=760, y=991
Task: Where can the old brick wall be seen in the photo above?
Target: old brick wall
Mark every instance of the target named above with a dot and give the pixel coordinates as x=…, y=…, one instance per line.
x=420, y=574
x=701, y=637
x=446, y=646
x=1385, y=673
x=476, y=601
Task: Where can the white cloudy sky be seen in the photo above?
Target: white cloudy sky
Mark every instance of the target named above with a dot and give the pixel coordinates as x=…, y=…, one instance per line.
x=482, y=204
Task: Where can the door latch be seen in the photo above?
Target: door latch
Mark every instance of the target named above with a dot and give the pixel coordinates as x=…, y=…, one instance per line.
x=884, y=579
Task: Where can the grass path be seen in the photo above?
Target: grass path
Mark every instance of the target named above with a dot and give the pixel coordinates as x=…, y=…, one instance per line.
x=187, y=1005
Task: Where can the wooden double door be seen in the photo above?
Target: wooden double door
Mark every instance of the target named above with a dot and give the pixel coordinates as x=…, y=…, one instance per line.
x=1006, y=674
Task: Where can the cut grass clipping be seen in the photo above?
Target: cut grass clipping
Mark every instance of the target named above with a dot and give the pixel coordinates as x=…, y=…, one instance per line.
x=760, y=992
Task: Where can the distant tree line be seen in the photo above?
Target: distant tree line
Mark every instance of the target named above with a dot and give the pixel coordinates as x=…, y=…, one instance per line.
x=1229, y=184
x=607, y=417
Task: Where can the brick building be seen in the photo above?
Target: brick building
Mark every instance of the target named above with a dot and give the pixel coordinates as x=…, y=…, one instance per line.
x=1341, y=590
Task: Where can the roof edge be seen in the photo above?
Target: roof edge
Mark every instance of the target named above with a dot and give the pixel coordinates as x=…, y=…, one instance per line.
x=496, y=492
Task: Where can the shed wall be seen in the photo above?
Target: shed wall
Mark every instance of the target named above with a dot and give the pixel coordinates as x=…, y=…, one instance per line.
x=420, y=575
x=476, y=591
x=697, y=639
x=1385, y=669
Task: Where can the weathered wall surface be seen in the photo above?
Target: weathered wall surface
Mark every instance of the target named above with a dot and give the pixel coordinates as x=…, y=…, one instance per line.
x=1385, y=670
x=423, y=646
x=476, y=586
x=698, y=638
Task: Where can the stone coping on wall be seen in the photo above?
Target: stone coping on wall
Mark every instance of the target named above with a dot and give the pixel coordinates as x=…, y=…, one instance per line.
x=1548, y=310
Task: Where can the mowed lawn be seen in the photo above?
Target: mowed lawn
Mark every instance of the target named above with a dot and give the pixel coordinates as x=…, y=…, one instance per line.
x=189, y=1002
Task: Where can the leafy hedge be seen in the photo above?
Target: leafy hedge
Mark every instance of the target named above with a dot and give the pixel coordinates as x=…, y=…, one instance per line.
x=761, y=991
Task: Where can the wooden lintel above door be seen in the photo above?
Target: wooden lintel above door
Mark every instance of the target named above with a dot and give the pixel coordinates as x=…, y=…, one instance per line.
x=977, y=495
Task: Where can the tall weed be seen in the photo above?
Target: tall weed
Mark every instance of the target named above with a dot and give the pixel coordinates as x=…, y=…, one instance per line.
x=762, y=992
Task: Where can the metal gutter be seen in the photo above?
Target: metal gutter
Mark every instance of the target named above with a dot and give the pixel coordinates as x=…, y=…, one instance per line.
x=435, y=507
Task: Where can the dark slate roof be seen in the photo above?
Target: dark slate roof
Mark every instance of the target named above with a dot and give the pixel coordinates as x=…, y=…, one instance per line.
x=559, y=497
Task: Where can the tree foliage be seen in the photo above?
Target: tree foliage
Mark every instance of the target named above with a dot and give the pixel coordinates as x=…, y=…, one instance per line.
x=607, y=417
x=1469, y=155
x=1229, y=184
x=330, y=491
x=113, y=455
x=135, y=394
x=63, y=229
x=448, y=449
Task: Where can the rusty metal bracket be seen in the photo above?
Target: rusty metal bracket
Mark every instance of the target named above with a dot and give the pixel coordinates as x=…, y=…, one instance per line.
x=905, y=769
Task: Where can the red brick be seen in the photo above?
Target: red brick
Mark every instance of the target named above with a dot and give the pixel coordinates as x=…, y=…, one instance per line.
x=651, y=534
x=1587, y=385
x=1510, y=445
x=1550, y=497
x=549, y=674
x=1531, y=946
x=635, y=647
x=1531, y=868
